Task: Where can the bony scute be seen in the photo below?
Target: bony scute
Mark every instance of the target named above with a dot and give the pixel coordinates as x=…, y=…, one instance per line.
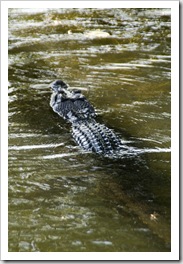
x=90, y=135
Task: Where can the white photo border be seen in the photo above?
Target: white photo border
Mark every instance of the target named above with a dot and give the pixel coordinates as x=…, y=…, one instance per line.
x=174, y=254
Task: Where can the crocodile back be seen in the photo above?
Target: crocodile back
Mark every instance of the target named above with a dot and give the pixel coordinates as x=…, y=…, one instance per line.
x=88, y=134
x=71, y=109
x=96, y=137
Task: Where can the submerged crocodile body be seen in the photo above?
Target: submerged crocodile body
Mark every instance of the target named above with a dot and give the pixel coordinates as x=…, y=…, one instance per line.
x=87, y=132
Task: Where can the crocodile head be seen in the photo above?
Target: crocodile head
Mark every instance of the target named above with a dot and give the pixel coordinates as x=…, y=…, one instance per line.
x=58, y=86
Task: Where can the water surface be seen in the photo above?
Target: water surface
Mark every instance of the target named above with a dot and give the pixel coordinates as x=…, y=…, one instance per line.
x=60, y=197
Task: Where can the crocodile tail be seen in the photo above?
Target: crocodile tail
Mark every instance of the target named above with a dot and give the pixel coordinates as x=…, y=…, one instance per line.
x=96, y=137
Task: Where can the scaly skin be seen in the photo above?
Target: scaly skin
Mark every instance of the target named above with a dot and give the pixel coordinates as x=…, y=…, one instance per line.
x=76, y=109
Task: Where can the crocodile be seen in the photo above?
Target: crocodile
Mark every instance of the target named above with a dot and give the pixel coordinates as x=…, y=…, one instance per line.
x=90, y=135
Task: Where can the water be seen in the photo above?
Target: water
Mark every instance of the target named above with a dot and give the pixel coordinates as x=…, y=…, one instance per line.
x=60, y=197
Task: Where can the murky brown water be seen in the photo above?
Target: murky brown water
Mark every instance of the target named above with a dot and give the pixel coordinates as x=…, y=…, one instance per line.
x=61, y=198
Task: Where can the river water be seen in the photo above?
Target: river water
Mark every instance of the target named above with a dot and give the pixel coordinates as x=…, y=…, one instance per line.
x=60, y=197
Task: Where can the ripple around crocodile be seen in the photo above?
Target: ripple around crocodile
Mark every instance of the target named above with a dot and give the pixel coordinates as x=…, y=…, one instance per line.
x=86, y=131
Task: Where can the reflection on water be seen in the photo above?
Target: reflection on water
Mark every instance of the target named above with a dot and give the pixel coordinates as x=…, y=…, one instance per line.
x=60, y=197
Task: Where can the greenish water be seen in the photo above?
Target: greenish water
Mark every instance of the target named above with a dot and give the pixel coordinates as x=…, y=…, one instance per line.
x=61, y=198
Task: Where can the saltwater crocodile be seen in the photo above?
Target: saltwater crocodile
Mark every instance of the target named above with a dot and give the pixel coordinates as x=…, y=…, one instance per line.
x=87, y=132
